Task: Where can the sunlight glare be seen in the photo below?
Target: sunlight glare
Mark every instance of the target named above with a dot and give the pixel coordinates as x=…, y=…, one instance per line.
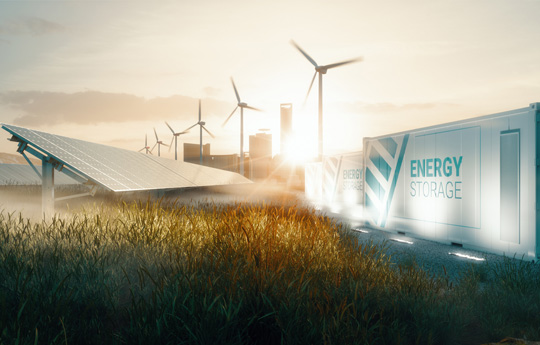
x=303, y=142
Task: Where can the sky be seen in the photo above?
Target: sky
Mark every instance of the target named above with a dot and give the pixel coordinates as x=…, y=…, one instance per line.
x=111, y=71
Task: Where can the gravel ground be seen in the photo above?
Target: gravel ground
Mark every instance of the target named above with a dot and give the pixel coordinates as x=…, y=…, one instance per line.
x=430, y=255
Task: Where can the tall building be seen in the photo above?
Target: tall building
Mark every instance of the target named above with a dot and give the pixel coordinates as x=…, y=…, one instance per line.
x=260, y=152
x=286, y=128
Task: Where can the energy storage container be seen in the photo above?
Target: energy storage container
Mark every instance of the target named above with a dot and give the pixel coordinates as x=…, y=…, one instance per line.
x=313, y=182
x=337, y=183
x=342, y=180
x=472, y=182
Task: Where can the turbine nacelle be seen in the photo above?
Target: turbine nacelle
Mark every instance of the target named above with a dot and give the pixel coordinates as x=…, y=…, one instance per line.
x=240, y=105
x=158, y=143
x=321, y=70
x=146, y=147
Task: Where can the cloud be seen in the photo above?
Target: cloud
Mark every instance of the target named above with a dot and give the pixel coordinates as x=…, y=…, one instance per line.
x=31, y=26
x=211, y=91
x=35, y=108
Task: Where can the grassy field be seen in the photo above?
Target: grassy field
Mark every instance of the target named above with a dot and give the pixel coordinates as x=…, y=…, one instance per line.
x=156, y=273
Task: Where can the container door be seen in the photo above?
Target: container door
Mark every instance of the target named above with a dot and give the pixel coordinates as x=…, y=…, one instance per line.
x=509, y=204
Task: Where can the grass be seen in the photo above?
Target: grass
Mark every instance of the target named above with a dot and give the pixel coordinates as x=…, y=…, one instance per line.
x=138, y=273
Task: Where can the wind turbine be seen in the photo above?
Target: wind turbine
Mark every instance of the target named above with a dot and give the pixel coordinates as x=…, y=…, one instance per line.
x=201, y=124
x=158, y=143
x=321, y=70
x=240, y=105
x=175, y=138
x=146, y=147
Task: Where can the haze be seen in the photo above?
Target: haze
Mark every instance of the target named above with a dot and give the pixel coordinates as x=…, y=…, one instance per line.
x=110, y=71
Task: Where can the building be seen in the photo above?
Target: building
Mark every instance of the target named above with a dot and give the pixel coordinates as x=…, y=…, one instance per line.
x=223, y=162
x=192, y=153
x=260, y=152
x=286, y=133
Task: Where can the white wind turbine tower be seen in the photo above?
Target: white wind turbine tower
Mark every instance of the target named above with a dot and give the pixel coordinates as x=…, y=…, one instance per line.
x=321, y=70
x=201, y=124
x=146, y=147
x=175, y=138
x=158, y=143
x=240, y=105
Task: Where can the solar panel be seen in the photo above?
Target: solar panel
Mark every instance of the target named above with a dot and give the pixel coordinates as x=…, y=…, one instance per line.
x=122, y=170
x=23, y=175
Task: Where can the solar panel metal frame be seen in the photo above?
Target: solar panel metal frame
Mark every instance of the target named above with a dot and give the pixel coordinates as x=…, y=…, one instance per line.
x=121, y=170
x=24, y=175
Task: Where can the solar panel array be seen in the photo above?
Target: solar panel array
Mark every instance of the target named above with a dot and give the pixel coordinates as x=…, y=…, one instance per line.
x=24, y=175
x=122, y=170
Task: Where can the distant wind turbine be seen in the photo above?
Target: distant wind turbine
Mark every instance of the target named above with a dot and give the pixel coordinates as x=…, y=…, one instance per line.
x=240, y=105
x=158, y=143
x=175, y=138
x=201, y=124
x=146, y=147
x=321, y=70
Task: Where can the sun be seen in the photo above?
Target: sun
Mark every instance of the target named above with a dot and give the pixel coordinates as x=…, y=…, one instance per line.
x=301, y=147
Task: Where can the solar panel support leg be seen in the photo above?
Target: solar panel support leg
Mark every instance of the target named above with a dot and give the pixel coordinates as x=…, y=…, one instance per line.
x=47, y=189
x=31, y=164
x=158, y=194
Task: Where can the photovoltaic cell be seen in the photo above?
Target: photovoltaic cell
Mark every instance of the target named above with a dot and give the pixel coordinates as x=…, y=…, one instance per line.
x=122, y=170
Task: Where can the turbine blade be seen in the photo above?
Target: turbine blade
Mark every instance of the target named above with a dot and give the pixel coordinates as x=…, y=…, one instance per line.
x=153, y=147
x=310, y=86
x=186, y=130
x=310, y=59
x=252, y=108
x=207, y=131
x=358, y=59
x=145, y=140
x=157, y=139
x=169, y=127
x=164, y=144
x=141, y=149
x=224, y=123
x=170, y=145
x=235, y=90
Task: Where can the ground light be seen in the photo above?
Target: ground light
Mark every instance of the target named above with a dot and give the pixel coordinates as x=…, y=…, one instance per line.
x=361, y=230
x=470, y=257
x=401, y=241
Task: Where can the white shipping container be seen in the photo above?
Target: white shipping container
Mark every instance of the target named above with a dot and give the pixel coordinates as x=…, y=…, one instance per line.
x=313, y=182
x=343, y=177
x=471, y=182
x=337, y=183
